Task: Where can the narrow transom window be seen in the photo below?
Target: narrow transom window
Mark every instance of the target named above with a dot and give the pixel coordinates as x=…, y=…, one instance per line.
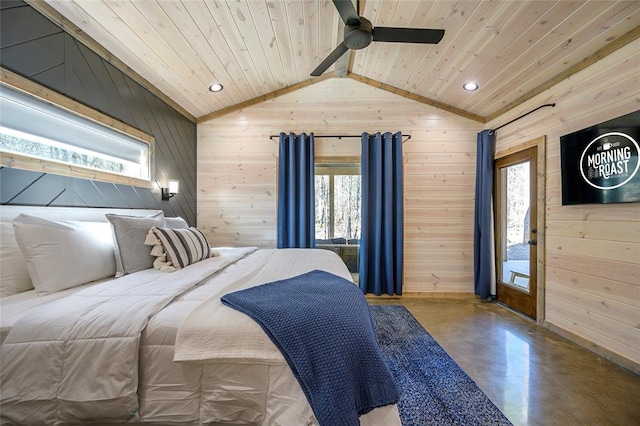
x=32, y=127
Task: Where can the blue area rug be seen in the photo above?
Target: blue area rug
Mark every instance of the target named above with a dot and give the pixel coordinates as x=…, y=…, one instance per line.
x=433, y=388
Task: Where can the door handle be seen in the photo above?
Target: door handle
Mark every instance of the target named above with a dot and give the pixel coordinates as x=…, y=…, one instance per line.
x=532, y=242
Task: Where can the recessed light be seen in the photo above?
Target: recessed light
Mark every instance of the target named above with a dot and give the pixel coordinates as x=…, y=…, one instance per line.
x=216, y=87
x=470, y=87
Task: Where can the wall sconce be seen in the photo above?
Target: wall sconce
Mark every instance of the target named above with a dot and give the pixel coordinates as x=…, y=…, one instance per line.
x=172, y=190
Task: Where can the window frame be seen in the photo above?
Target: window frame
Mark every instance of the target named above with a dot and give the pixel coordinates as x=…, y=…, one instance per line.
x=26, y=162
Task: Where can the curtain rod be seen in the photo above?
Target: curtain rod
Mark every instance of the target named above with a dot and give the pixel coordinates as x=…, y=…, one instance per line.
x=522, y=116
x=339, y=136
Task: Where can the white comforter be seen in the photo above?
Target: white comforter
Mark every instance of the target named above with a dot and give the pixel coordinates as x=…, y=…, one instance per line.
x=213, y=332
x=77, y=357
x=83, y=358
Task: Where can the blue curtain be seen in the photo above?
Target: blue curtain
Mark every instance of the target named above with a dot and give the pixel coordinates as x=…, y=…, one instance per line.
x=296, y=194
x=381, y=244
x=483, y=237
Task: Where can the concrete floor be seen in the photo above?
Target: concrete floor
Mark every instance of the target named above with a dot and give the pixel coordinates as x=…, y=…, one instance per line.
x=534, y=376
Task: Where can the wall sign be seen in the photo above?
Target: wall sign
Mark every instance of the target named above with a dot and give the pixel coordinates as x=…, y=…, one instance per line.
x=600, y=164
x=610, y=160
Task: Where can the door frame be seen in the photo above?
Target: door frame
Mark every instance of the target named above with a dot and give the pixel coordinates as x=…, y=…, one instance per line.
x=540, y=144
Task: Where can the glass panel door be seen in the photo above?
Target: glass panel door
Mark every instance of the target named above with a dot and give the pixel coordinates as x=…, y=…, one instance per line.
x=516, y=229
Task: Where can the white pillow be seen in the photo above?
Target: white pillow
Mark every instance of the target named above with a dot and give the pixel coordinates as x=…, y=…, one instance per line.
x=14, y=277
x=63, y=254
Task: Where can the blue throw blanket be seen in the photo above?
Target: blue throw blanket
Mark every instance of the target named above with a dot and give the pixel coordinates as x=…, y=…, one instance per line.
x=322, y=325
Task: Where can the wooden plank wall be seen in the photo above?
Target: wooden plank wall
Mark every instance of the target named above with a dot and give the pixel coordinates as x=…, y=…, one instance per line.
x=36, y=48
x=592, y=251
x=237, y=172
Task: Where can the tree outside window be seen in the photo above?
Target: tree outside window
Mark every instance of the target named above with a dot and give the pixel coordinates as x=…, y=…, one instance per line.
x=338, y=194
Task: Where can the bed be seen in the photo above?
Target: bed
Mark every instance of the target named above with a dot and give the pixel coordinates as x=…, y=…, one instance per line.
x=181, y=356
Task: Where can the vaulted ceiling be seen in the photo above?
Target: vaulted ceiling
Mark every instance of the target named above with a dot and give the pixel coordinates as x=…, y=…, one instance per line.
x=258, y=49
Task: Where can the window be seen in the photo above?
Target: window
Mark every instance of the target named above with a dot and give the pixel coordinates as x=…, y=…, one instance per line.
x=38, y=134
x=338, y=195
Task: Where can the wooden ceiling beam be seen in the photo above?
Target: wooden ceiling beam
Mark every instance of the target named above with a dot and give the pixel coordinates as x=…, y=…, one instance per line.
x=343, y=65
x=265, y=97
x=328, y=75
x=417, y=98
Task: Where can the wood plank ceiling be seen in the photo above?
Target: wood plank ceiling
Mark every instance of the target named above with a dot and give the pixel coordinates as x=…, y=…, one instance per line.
x=260, y=48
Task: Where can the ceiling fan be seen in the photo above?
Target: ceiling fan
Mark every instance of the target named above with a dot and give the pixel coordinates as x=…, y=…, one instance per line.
x=359, y=33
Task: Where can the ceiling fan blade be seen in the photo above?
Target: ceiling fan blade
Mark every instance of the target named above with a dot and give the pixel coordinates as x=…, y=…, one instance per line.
x=347, y=12
x=407, y=35
x=329, y=60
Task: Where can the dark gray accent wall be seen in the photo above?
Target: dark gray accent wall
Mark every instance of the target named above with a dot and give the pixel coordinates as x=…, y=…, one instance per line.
x=36, y=48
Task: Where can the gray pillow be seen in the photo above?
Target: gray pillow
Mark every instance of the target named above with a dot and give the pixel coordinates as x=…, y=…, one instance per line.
x=129, y=233
x=175, y=223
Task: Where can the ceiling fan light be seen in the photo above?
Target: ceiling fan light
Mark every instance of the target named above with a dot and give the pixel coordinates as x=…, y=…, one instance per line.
x=470, y=86
x=216, y=87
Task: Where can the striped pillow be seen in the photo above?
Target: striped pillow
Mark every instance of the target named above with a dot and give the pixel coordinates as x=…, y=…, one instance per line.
x=177, y=248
